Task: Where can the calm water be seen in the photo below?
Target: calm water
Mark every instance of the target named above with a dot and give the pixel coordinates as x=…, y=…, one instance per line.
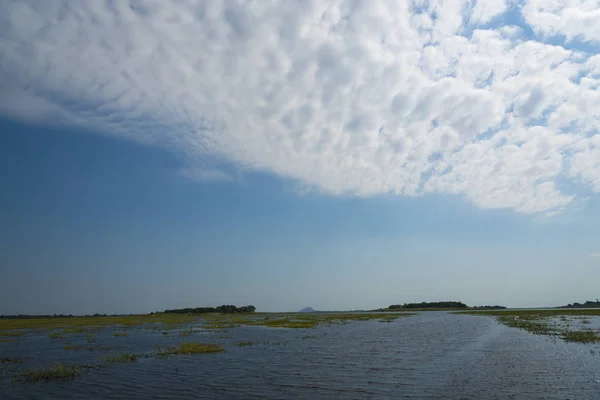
x=432, y=355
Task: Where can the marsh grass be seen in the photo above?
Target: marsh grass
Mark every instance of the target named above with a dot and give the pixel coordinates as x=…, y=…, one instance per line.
x=246, y=343
x=186, y=332
x=13, y=334
x=191, y=348
x=56, y=335
x=302, y=320
x=80, y=324
x=581, y=336
x=121, y=359
x=542, y=322
x=12, y=360
x=56, y=371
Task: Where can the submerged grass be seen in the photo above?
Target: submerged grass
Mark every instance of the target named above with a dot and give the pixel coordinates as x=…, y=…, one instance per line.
x=191, y=348
x=245, y=343
x=81, y=324
x=121, y=359
x=303, y=320
x=56, y=371
x=581, y=336
x=56, y=335
x=543, y=322
x=11, y=360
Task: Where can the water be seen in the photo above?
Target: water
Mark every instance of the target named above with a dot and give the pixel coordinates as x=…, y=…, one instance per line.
x=432, y=355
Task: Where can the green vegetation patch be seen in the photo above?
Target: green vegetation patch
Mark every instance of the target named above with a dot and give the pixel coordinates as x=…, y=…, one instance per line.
x=121, y=359
x=87, y=323
x=581, y=336
x=543, y=322
x=56, y=371
x=56, y=335
x=245, y=343
x=304, y=320
x=11, y=360
x=192, y=348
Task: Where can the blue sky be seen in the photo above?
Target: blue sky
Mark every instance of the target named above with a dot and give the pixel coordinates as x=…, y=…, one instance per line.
x=351, y=157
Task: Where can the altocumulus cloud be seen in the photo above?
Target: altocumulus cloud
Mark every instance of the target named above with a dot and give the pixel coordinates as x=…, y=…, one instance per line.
x=348, y=97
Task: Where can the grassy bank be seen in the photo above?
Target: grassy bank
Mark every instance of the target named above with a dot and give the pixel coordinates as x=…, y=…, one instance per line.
x=551, y=322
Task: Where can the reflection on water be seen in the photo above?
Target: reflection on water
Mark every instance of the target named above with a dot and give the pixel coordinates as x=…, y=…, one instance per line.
x=432, y=355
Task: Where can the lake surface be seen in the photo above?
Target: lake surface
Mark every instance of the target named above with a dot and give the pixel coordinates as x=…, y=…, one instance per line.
x=431, y=355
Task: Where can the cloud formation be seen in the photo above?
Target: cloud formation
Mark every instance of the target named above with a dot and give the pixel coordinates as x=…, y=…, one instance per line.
x=349, y=97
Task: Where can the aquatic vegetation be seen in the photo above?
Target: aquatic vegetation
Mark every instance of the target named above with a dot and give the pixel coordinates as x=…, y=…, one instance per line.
x=245, y=343
x=535, y=313
x=56, y=371
x=91, y=339
x=581, y=336
x=13, y=333
x=74, y=330
x=79, y=324
x=191, y=348
x=56, y=335
x=302, y=320
x=121, y=333
x=186, y=332
x=542, y=322
x=307, y=337
x=586, y=321
x=121, y=359
x=11, y=360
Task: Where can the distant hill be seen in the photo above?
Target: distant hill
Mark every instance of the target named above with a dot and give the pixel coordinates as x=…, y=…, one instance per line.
x=307, y=309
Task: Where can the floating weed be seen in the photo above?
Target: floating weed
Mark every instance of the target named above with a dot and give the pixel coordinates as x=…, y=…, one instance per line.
x=307, y=337
x=11, y=360
x=540, y=322
x=91, y=339
x=57, y=371
x=56, y=335
x=13, y=334
x=245, y=343
x=165, y=333
x=186, y=332
x=581, y=336
x=121, y=359
x=121, y=333
x=74, y=330
x=191, y=348
x=222, y=336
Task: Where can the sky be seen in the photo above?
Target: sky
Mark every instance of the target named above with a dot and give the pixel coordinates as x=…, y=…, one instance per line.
x=334, y=154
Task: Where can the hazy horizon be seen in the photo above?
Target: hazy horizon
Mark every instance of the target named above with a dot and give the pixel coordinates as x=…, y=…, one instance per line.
x=347, y=155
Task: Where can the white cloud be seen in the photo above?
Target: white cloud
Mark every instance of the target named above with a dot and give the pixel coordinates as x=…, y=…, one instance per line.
x=594, y=255
x=346, y=97
x=575, y=19
x=206, y=175
x=485, y=10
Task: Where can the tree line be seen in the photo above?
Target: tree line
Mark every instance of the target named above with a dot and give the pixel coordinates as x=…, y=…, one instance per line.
x=225, y=309
x=434, y=304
